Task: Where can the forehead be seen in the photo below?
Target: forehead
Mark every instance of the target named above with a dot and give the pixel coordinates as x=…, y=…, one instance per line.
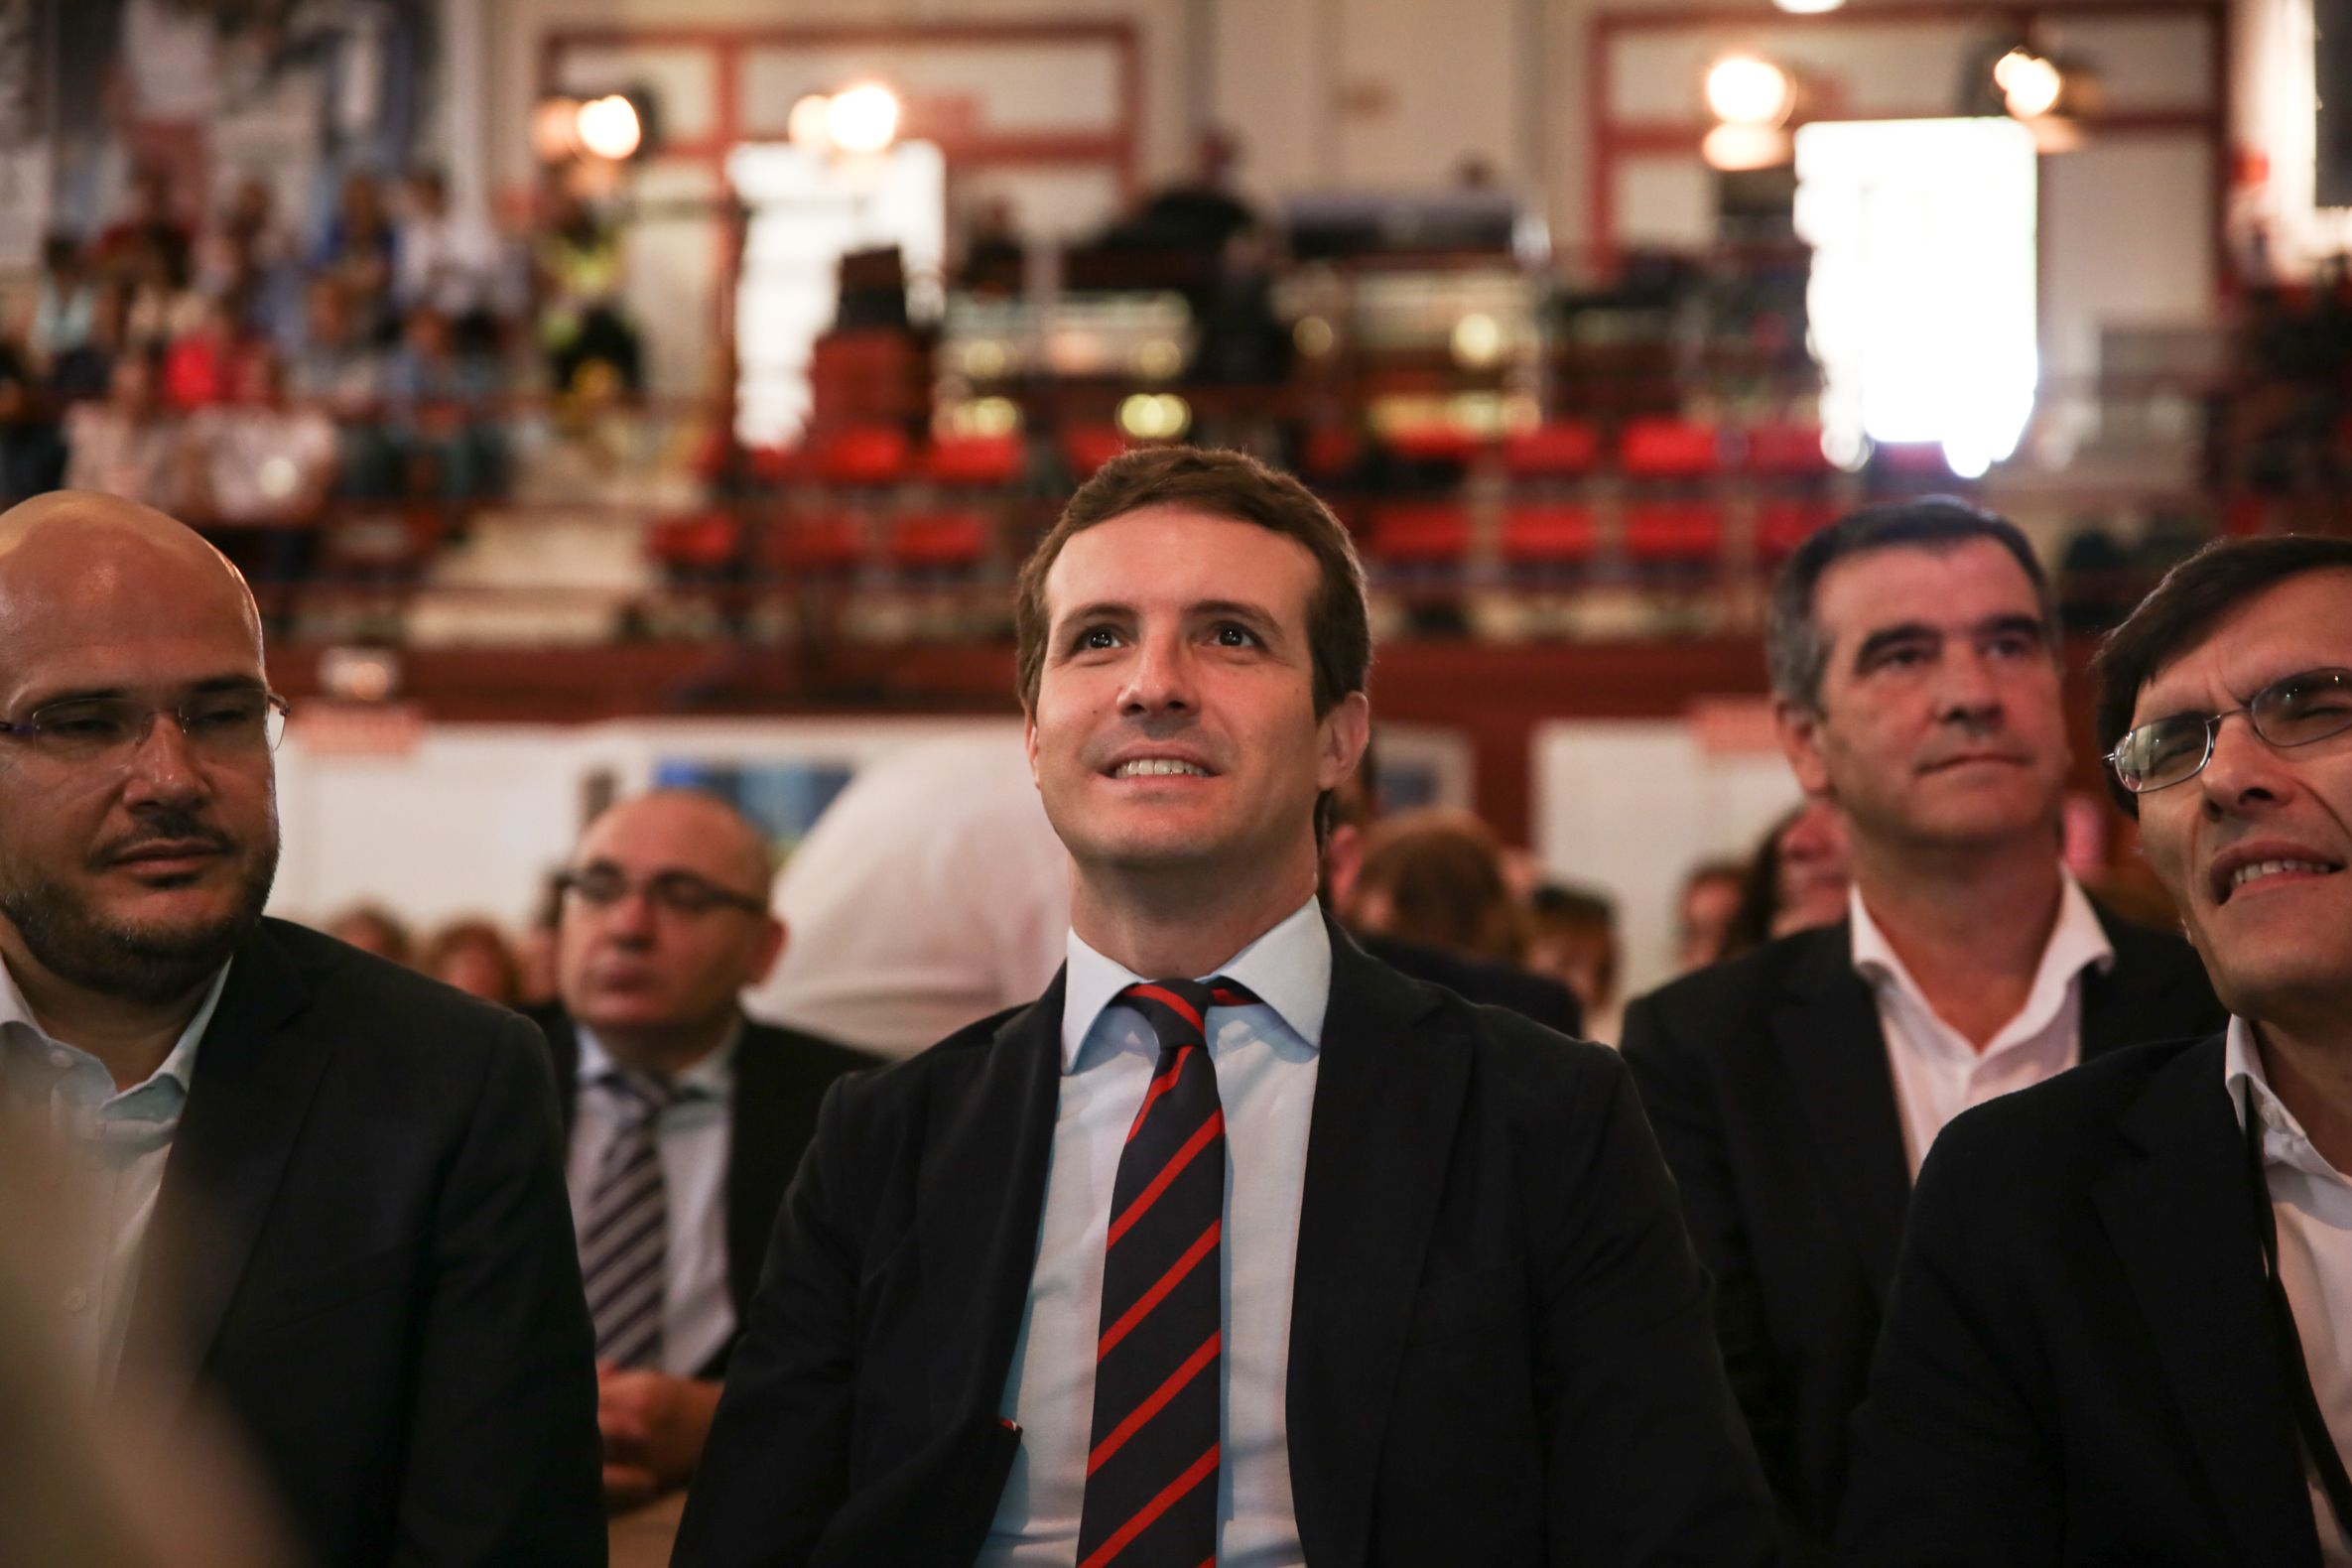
x=2301, y=624
x=131, y=620
x=660, y=833
x=1171, y=556
x=1956, y=585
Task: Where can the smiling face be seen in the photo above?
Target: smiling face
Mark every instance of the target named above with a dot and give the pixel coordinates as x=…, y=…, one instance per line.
x=137, y=875
x=1174, y=728
x=2254, y=849
x=1939, y=722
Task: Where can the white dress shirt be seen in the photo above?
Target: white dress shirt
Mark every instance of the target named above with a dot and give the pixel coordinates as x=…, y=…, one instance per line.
x=112, y=1148
x=1267, y=1059
x=2312, y=1201
x=692, y=1137
x=1937, y=1073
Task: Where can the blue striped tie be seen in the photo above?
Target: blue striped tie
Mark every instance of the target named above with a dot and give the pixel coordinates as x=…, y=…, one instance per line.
x=625, y=1244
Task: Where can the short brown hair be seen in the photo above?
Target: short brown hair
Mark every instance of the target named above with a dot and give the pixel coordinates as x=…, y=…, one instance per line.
x=2187, y=604
x=1440, y=872
x=1239, y=488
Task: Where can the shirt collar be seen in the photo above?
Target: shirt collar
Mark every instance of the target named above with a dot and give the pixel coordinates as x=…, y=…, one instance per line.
x=153, y=1104
x=711, y=1077
x=2285, y=1142
x=2076, y=942
x=1288, y=969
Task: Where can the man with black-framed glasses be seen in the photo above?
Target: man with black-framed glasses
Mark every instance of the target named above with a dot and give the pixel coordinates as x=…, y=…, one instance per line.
x=2119, y=1331
x=684, y=1120
x=308, y=1186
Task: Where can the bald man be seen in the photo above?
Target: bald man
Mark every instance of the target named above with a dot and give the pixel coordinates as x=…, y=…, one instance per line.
x=684, y=1121
x=318, y=1189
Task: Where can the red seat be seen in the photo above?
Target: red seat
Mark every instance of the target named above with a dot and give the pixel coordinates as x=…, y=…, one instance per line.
x=1790, y=451
x=1332, y=452
x=1560, y=451
x=973, y=461
x=1434, y=442
x=1420, y=535
x=1667, y=448
x=1784, y=524
x=939, y=541
x=698, y=539
x=1087, y=448
x=830, y=542
x=1667, y=532
x=860, y=455
x=1548, y=535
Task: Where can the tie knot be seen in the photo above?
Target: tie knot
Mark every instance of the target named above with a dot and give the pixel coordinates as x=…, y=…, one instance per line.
x=639, y=1096
x=1178, y=1010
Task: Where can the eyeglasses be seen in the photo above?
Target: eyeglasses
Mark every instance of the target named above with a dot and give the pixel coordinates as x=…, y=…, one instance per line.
x=220, y=726
x=679, y=892
x=2294, y=712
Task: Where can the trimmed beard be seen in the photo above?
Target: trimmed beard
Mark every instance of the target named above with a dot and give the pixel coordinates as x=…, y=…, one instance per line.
x=140, y=963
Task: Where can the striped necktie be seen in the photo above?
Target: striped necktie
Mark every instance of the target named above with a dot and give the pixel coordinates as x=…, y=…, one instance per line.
x=624, y=1246
x=1151, y=1496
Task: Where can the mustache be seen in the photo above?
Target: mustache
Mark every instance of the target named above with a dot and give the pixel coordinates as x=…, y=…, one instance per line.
x=170, y=825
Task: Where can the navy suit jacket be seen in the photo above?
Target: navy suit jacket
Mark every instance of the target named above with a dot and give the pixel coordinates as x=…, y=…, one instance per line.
x=1501, y=1344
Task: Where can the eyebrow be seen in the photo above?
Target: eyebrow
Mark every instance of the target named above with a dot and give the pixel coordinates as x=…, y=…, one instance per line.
x=1115, y=609
x=1921, y=631
x=92, y=693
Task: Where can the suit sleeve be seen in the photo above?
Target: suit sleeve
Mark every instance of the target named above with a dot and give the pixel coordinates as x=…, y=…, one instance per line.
x=503, y=1458
x=1646, y=1460
x=777, y=1467
x=1681, y=1101
x=1950, y=1467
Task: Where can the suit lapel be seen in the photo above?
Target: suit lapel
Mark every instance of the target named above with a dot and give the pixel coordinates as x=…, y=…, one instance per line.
x=979, y=1195
x=1826, y=1029
x=2179, y=1209
x=760, y=1167
x=1387, y=1114
x=252, y=1089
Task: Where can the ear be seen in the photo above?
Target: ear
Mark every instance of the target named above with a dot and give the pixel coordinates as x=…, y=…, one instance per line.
x=1800, y=732
x=1342, y=735
x=1029, y=740
x=773, y=941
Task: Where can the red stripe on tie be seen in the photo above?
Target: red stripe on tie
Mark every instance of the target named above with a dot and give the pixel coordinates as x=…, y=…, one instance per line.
x=1153, y=1405
x=1159, y=1086
x=1210, y=1128
x=1201, y=1468
x=1167, y=1283
x=1229, y=998
x=1170, y=1000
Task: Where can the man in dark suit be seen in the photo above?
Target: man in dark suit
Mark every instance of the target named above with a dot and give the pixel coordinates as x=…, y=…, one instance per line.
x=1797, y=1089
x=1078, y=1285
x=684, y=1121
x=321, y=1191
x=2117, y=1327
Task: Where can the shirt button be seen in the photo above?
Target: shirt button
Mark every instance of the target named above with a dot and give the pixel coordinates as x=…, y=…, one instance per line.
x=75, y=1299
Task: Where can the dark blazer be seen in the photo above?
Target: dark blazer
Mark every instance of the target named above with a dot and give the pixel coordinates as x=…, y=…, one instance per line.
x=362, y=1247
x=1523, y=991
x=781, y=1076
x=2080, y=1366
x=1767, y=1079
x=1500, y=1347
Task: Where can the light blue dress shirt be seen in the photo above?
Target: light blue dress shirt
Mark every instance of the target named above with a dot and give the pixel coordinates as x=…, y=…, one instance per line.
x=691, y=1136
x=1267, y=1059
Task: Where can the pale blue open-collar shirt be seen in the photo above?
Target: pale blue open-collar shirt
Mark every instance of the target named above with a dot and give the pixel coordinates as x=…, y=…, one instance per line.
x=112, y=1146
x=1266, y=1057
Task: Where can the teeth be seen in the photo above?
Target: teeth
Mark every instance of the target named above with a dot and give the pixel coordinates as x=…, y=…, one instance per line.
x=1158, y=767
x=2262, y=868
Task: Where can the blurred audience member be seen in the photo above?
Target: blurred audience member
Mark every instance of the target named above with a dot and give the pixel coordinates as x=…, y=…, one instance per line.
x=358, y=251
x=930, y=892
x=1703, y=912
x=438, y=413
x=583, y=320
x=32, y=452
x=262, y=469
x=340, y=372
x=1796, y=880
x=1916, y=678
x=129, y=444
x=371, y=928
x=448, y=262
x=150, y=227
x=64, y=301
x=1572, y=937
x=685, y=1120
x=1204, y=212
x=473, y=955
x=200, y=364
x=246, y=262
x=1434, y=877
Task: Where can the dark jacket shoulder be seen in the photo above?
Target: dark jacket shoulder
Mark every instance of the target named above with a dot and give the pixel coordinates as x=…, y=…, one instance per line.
x=372, y=995
x=2067, y=1127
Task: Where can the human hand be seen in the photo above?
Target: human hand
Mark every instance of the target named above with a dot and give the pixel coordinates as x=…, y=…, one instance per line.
x=653, y=1426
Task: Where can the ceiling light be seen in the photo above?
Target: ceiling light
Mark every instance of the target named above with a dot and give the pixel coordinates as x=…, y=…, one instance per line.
x=1745, y=90
x=609, y=127
x=2030, y=84
x=862, y=119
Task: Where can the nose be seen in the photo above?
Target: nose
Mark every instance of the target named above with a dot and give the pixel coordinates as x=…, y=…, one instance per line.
x=628, y=919
x=2243, y=772
x=161, y=766
x=1159, y=679
x=1968, y=690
